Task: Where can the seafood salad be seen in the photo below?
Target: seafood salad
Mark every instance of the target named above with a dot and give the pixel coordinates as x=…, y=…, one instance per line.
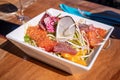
x=65, y=38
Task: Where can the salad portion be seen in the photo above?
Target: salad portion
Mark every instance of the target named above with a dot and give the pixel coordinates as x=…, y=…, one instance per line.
x=65, y=38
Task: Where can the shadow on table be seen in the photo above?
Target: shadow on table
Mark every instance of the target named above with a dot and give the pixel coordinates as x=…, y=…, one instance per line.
x=8, y=46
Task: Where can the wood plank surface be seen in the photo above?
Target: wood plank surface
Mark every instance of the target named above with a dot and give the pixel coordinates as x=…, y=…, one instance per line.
x=16, y=65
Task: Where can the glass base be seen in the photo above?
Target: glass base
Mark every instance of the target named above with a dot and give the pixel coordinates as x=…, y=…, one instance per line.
x=23, y=19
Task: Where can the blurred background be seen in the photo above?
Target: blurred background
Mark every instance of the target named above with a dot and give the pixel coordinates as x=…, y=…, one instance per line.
x=110, y=3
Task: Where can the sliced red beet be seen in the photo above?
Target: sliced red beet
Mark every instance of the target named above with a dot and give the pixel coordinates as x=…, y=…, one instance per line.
x=41, y=23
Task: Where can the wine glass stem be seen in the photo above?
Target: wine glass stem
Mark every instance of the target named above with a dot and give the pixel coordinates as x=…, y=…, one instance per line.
x=21, y=7
x=21, y=13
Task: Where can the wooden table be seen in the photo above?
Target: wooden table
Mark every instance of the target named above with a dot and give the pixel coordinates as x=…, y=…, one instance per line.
x=16, y=65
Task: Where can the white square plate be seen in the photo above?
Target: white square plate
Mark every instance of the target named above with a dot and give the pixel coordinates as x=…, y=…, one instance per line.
x=17, y=38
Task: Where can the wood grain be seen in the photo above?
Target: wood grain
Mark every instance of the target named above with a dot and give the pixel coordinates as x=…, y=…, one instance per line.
x=16, y=65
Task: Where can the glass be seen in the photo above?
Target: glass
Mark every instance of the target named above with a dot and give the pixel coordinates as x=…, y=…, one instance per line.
x=22, y=5
x=8, y=10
